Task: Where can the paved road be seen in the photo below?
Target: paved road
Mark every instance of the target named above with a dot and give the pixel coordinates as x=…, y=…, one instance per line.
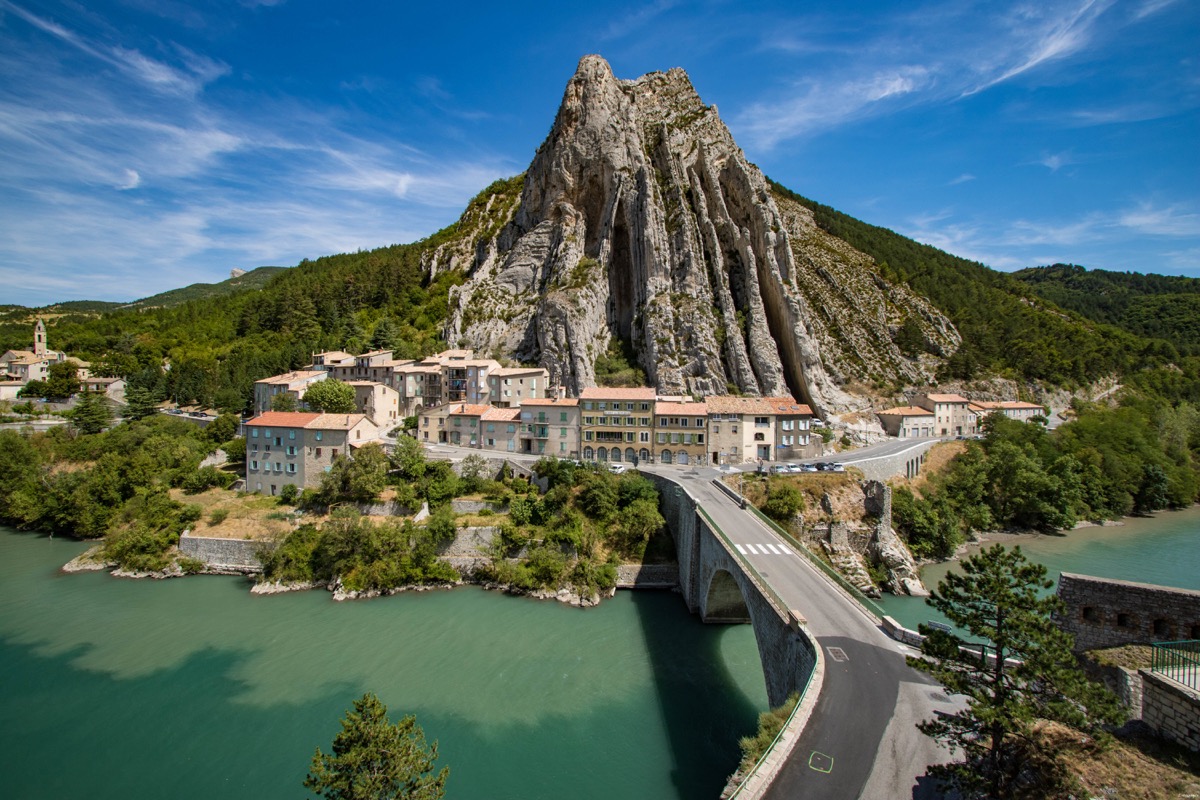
x=861, y=741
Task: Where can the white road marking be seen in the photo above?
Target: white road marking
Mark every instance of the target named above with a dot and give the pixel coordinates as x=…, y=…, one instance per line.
x=774, y=549
x=741, y=549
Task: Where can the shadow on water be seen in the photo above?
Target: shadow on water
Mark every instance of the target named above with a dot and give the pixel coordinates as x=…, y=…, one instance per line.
x=703, y=707
x=72, y=732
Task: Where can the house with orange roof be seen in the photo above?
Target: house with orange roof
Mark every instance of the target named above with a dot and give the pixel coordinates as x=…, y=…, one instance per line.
x=616, y=423
x=549, y=427
x=294, y=383
x=793, y=429
x=298, y=447
x=740, y=429
x=501, y=429
x=952, y=414
x=907, y=422
x=680, y=432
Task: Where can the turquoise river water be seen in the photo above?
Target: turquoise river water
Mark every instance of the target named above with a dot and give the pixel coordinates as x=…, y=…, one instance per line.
x=1164, y=549
x=193, y=688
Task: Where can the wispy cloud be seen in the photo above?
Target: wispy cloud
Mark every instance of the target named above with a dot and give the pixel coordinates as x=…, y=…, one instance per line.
x=1056, y=161
x=933, y=55
x=628, y=23
x=964, y=178
x=820, y=105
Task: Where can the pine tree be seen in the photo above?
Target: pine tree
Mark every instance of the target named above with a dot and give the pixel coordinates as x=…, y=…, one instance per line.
x=91, y=413
x=384, y=337
x=1021, y=672
x=373, y=759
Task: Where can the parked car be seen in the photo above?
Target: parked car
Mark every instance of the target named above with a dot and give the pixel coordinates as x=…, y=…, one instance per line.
x=794, y=468
x=780, y=469
x=617, y=469
x=837, y=467
x=808, y=467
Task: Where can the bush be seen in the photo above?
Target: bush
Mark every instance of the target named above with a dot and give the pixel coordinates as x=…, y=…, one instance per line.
x=784, y=501
x=205, y=478
x=218, y=515
x=288, y=494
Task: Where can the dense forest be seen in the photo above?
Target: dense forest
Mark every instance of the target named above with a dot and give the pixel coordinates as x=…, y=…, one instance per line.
x=1006, y=327
x=1154, y=306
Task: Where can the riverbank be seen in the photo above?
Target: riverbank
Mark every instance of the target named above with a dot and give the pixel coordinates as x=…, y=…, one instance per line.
x=1163, y=550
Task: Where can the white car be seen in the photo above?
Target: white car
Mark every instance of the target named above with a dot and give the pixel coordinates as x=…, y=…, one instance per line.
x=617, y=469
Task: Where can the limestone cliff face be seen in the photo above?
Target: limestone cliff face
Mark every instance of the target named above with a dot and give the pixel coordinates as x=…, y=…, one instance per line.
x=640, y=218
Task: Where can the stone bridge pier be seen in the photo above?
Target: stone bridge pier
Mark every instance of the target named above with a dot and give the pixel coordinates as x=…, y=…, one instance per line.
x=721, y=588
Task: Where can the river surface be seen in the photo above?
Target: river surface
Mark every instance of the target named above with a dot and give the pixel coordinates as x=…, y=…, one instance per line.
x=193, y=688
x=1164, y=549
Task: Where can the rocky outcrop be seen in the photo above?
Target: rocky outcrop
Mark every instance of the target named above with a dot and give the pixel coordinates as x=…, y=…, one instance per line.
x=887, y=549
x=641, y=221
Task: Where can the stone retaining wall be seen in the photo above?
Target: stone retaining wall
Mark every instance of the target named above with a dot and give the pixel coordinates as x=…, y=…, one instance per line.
x=475, y=506
x=907, y=463
x=1171, y=709
x=1108, y=613
x=647, y=576
x=231, y=554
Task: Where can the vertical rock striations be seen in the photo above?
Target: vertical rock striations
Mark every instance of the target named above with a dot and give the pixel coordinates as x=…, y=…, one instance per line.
x=641, y=220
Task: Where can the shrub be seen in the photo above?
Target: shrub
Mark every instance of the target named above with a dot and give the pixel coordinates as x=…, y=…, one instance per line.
x=218, y=515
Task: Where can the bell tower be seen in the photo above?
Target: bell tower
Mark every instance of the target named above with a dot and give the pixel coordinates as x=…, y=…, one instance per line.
x=39, y=338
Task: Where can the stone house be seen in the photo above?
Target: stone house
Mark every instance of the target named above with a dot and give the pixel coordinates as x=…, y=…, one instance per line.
x=1013, y=409
x=907, y=422
x=511, y=386
x=741, y=429
x=501, y=429
x=793, y=429
x=952, y=413
x=296, y=447
x=549, y=427
x=295, y=383
x=462, y=424
x=380, y=403
x=680, y=431
x=616, y=424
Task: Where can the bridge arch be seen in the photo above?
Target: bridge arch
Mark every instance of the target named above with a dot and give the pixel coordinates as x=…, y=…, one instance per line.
x=724, y=601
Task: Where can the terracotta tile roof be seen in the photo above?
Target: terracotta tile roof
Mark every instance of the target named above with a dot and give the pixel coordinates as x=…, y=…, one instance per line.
x=905, y=411
x=947, y=398
x=501, y=414
x=617, y=393
x=293, y=377
x=335, y=422
x=681, y=409
x=503, y=371
x=1019, y=404
x=373, y=353
x=728, y=404
x=468, y=410
x=546, y=401
x=984, y=405
x=284, y=419
x=788, y=406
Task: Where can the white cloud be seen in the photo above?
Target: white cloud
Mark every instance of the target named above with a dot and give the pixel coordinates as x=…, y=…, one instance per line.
x=132, y=180
x=964, y=178
x=1170, y=221
x=1056, y=161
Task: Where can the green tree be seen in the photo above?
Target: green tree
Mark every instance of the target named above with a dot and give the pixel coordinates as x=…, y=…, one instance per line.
x=385, y=335
x=63, y=380
x=784, y=501
x=910, y=338
x=222, y=429
x=140, y=402
x=284, y=401
x=472, y=470
x=373, y=759
x=91, y=413
x=409, y=457
x=1019, y=670
x=331, y=396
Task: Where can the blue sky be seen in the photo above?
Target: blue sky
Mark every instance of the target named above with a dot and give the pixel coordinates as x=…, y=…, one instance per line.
x=148, y=144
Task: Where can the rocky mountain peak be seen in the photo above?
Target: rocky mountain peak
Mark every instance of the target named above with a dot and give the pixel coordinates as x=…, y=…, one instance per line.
x=641, y=223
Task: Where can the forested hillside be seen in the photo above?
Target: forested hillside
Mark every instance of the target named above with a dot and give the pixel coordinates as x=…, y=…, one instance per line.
x=1006, y=328
x=1155, y=306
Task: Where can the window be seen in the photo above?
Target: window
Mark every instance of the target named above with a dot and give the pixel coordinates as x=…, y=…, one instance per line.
x=333, y=452
x=1090, y=614
x=511, y=445
x=587, y=436
x=662, y=438
x=629, y=436
x=589, y=420
x=317, y=436
x=562, y=447
x=735, y=428
x=644, y=437
x=291, y=450
x=562, y=416
x=266, y=433
x=662, y=422
x=644, y=422
x=254, y=433
x=562, y=433
x=279, y=466
x=253, y=465
x=760, y=437
x=318, y=452
x=291, y=468
x=279, y=441
x=716, y=429
x=491, y=427
x=645, y=407
x=699, y=422
x=629, y=406
x=491, y=442
x=291, y=434
x=587, y=405
x=512, y=428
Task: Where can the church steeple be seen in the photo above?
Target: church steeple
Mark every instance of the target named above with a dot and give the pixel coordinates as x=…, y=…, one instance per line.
x=39, y=338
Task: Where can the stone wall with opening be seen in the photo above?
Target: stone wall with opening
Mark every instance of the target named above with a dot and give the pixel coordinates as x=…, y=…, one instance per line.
x=1101, y=612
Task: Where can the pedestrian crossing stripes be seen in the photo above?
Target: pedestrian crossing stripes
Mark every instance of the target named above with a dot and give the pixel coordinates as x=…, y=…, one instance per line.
x=764, y=550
